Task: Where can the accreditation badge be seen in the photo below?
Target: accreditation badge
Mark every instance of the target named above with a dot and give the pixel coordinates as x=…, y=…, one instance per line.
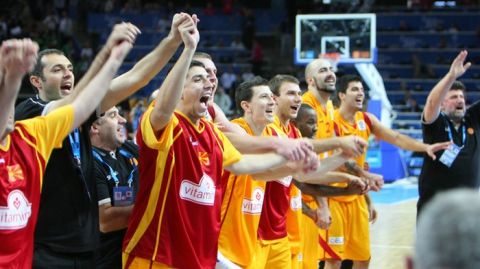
x=123, y=196
x=450, y=154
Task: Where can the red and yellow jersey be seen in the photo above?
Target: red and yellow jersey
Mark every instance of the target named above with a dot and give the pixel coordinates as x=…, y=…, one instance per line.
x=294, y=219
x=241, y=209
x=176, y=218
x=325, y=115
x=325, y=128
x=23, y=160
x=362, y=128
x=273, y=221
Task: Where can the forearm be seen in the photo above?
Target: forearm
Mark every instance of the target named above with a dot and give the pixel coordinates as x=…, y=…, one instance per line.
x=326, y=144
x=309, y=212
x=322, y=190
x=114, y=218
x=320, y=176
x=95, y=67
x=89, y=98
x=141, y=73
x=9, y=88
x=436, y=96
x=275, y=173
x=252, y=145
x=256, y=163
x=353, y=168
x=171, y=90
x=408, y=143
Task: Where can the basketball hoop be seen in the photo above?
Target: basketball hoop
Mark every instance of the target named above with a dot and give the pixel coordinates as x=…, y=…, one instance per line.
x=333, y=58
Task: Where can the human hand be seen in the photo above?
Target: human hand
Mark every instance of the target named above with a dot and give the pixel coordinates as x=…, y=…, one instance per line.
x=119, y=52
x=375, y=181
x=177, y=20
x=324, y=218
x=293, y=149
x=189, y=32
x=431, y=149
x=352, y=146
x=458, y=67
x=121, y=32
x=358, y=182
x=18, y=56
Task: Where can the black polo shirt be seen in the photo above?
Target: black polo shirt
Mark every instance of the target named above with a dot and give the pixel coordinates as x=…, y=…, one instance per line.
x=68, y=215
x=109, y=254
x=465, y=170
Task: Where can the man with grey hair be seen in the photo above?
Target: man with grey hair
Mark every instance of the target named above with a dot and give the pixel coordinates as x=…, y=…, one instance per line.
x=447, y=232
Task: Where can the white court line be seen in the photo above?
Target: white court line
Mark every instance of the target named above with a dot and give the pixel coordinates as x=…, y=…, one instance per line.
x=391, y=246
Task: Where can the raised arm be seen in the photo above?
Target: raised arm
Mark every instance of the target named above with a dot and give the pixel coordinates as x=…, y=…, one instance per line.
x=123, y=32
x=90, y=97
x=440, y=90
x=148, y=67
x=403, y=141
x=171, y=90
x=17, y=57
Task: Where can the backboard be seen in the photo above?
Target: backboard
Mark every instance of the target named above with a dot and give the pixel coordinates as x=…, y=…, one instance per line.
x=351, y=35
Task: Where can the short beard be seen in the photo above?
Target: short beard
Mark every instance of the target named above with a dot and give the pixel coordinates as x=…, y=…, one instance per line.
x=455, y=117
x=326, y=90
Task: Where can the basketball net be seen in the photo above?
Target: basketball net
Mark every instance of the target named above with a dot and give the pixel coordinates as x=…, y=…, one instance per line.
x=333, y=58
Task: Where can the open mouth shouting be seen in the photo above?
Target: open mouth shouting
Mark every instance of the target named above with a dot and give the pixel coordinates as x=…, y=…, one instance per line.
x=294, y=109
x=204, y=100
x=66, y=88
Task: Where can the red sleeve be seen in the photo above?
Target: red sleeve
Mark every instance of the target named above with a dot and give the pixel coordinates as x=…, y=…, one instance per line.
x=367, y=120
x=211, y=111
x=335, y=129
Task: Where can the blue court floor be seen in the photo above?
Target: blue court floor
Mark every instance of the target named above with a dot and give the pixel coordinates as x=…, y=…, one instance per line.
x=396, y=192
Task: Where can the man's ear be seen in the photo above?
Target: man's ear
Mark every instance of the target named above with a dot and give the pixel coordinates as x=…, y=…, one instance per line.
x=94, y=128
x=245, y=106
x=35, y=81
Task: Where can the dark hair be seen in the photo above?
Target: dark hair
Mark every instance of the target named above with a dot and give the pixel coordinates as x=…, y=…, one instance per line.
x=457, y=85
x=276, y=82
x=244, y=91
x=196, y=63
x=199, y=54
x=342, y=86
x=302, y=110
x=38, y=68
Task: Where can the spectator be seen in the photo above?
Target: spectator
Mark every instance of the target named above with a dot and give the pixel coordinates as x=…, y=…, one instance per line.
x=446, y=118
x=421, y=69
x=223, y=100
x=209, y=10
x=257, y=57
x=237, y=43
x=228, y=79
x=116, y=176
x=65, y=26
x=447, y=232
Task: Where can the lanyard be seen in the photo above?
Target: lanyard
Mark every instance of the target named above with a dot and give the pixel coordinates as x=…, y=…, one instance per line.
x=75, y=144
x=112, y=172
x=450, y=136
